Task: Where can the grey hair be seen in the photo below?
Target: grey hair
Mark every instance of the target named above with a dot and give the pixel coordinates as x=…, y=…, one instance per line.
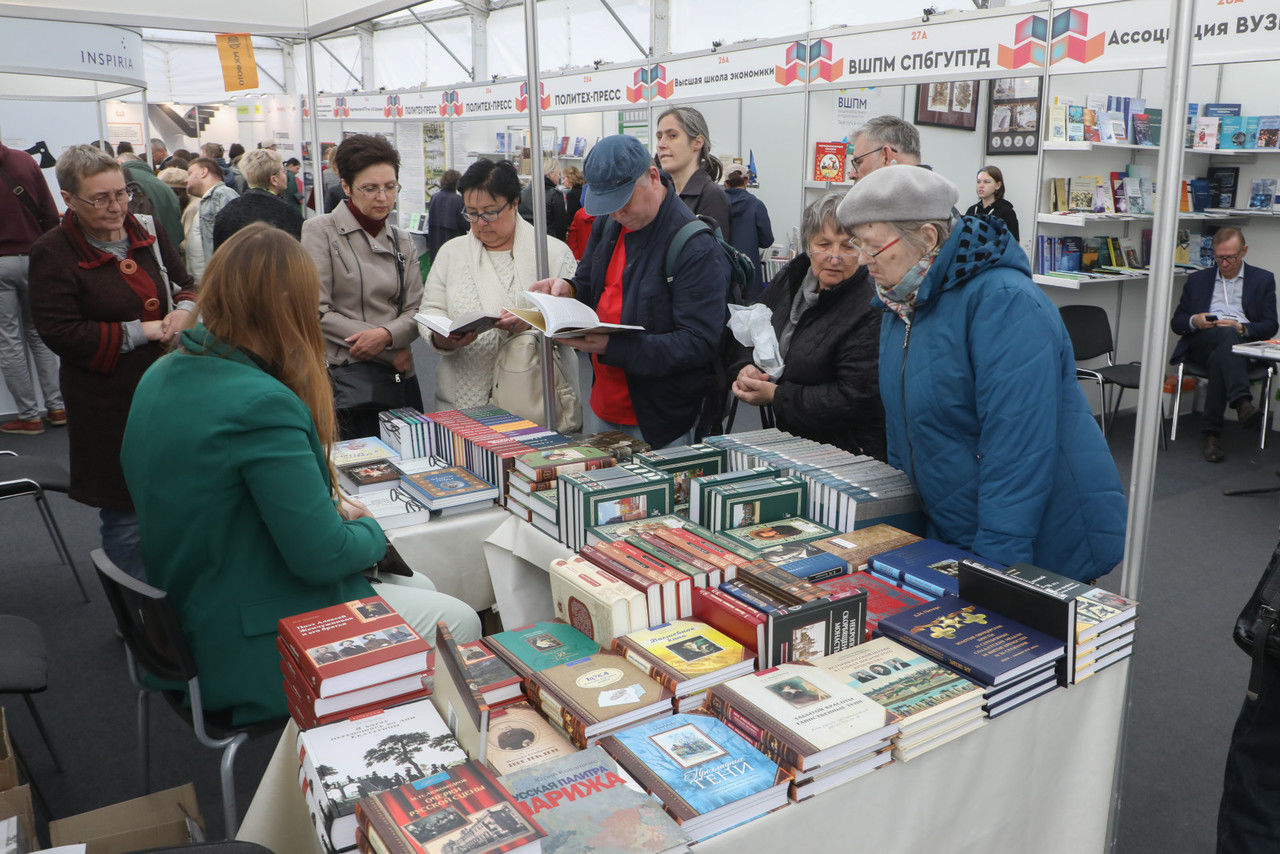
x=819, y=214
x=157, y=142
x=1225, y=233
x=894, y=132
x=694, y=124
x=259, y=165
x=82, y=161
x=909, y=232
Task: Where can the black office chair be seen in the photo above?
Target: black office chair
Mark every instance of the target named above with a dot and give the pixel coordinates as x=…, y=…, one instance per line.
x=1090, y=331
x=154, y=639
x=1259, y=372
x=24, y=670
x=21, y=476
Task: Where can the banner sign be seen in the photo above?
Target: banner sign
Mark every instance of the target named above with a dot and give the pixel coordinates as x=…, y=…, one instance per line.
x=239, y=69
x=74, y=50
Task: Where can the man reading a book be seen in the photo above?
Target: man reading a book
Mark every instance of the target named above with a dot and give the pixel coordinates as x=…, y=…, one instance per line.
x=1220, y=307
x=649, y=384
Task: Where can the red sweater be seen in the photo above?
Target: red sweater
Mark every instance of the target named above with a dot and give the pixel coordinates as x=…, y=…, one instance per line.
x=18, y=228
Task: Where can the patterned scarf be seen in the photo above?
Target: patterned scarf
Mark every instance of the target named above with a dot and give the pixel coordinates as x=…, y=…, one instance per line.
x=901, y=298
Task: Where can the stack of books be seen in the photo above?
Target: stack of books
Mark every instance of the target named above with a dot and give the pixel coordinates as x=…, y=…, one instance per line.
x=698, y=510
x=396, y=508
x=684, y=464
x=407, y=431
x=846, y=491
x=1105, y=626
x=706, y=776
x=883, y=598
x=679, y=543
x=596, y=602
x=485, y=440
x=531, y=486
x=932, y=704
x=624, y=493
x=348, y=659
x=586, y=802
x=820, y=730
x=450, y=490
x=368, y=450
x=356, y=758
x=754, y=500
x=789, y=544
x=927, y=567
x=686, y=657
x=617, y=444
x=459, y=809
x=1013, y=663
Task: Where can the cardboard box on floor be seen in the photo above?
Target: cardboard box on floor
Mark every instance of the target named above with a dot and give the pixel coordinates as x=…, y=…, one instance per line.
x=17, y=801
x=8, y=761
x=158, y=819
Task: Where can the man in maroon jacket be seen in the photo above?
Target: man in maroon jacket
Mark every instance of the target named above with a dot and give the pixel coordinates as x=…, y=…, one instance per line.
x=26, y=212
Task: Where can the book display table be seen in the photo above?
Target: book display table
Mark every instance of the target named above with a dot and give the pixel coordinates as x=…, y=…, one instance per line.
x=448, y=551
x=518, y=556
x=1037, y=779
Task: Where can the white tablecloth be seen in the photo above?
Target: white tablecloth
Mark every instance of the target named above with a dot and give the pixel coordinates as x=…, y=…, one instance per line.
x=518, y=556
x=448, y=551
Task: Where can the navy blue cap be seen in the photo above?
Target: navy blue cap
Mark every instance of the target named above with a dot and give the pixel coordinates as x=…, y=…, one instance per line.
x=613, y=166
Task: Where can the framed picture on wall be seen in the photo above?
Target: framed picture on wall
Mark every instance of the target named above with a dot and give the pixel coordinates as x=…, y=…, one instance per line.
x=948, y=105
x=1013, y=115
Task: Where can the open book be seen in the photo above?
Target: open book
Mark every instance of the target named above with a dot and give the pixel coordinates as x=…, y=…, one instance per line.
x=442, y=325
x=565, y=317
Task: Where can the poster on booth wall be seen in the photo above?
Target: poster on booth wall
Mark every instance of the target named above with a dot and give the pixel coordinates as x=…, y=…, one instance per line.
x=828, y=161
x=1013, y=115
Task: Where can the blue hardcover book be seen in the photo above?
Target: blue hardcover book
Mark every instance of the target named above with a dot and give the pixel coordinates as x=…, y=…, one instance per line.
x=985, y=646
x=807, y=561
x=744, y=592
x=1222, y=109
x=927, y=564
x=707, y=776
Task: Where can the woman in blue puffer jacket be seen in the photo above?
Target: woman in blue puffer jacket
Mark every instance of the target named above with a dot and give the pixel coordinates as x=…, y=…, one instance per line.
x=982, y=407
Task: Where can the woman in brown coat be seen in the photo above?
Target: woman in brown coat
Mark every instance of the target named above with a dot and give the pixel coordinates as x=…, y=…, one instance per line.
x=370, y=282
x=107, y=296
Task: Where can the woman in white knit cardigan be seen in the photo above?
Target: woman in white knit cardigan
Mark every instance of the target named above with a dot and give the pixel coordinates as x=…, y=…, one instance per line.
x=484, y=271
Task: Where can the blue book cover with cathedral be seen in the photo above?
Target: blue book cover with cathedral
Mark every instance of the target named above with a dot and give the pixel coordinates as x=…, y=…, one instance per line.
x=694, y=764
x=927, y=565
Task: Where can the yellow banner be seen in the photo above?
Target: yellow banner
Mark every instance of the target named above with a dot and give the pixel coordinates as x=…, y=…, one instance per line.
x=239, y=69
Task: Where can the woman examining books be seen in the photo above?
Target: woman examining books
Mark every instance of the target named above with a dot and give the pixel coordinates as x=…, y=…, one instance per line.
x=481, y=274
x=991, y=201
x=253, y=531
x=828, y=337
x=982, y=408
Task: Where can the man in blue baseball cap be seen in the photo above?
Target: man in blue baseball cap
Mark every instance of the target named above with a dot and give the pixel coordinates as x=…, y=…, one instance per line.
x=649, y=384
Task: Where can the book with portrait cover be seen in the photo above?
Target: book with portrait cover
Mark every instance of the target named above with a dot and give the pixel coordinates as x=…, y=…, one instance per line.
x=987, y=647
x=353, y=645
x=518, y=737
x=764, y=535
x=365, y=477
x=801, y=716
x=685, y=655
x=814, y=629
x=735, y=505
x=707, y=777
x=588, y=805
x=541, y=645
x=461, y=809
x=542, y=466
x=596, y=694
x=470, y=682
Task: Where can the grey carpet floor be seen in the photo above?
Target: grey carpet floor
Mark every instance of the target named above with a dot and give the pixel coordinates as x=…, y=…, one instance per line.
x=1206, y=553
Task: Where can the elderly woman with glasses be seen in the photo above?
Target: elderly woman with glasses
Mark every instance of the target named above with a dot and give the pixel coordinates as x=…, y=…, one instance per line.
x=978, y=378
x=108, y=296
x=483, y=273
x=370, y=286
x=828, y=337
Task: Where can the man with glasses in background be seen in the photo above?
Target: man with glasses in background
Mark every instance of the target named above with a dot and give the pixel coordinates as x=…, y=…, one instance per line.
x=26, y=212
x=881, y=142
x=1221, y=307
x=204, y=182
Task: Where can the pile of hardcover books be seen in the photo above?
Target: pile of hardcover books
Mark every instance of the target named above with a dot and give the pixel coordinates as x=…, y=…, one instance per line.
x=353, y=452
x=790, y=544
x=393, y=503
x=586, y=692
x=352, y=759
x=926, y=567
x=531, y=486
x=1105, y=626
x=598, y=603
x=684, y=464
x=349, y=659
x=932, y=704
x=817, y=727
x=622, y=493
x=462, y=808
x=846, y=491
x=485, y=440
x=448, y=490
x=687, y=657
x=407, y=431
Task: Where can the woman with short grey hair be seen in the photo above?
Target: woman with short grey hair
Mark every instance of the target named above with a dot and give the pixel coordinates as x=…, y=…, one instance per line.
x=828, y=335
x=978, y=378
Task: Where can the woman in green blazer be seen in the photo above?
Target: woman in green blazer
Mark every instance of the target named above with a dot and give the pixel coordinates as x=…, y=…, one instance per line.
x=226, y=455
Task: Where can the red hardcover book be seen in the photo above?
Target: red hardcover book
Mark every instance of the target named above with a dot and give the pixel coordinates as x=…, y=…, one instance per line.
x=384, y=692
x=670, y=600
x=650, y=587
x=462, y=809
x=883, y=598
x=684, y=584
x=714, y=553
x=353, y=645
x=721, y=611
x=306, y=718
x=714, y=573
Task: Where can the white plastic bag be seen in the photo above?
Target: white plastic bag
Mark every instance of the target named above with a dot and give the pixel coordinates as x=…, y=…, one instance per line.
x=752, y=326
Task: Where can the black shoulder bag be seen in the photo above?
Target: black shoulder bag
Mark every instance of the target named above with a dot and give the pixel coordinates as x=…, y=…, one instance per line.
x=367, y=383
x=1258, y=626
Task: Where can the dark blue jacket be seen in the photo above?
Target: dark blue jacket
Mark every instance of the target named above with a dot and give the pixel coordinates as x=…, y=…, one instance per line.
x=668, y=366
x=752, y=230
x=444, y=220
x=1258, y=300
x=984, y=413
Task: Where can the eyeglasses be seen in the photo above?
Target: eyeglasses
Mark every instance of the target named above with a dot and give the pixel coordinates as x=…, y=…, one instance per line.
x=485, y=216
x=857, y=159
x=836, y=256
x=1228, y=259
x=378, y=189
x=103, y=200
x=862, y=251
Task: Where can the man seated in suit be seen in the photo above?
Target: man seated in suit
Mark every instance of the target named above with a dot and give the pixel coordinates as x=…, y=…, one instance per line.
x=1221, y=307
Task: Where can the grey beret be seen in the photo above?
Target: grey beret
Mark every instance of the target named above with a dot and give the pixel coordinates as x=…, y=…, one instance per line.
x=897, y=193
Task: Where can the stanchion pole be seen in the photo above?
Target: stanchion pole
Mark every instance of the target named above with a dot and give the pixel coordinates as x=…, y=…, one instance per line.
x=539, y=199
x=317, y=178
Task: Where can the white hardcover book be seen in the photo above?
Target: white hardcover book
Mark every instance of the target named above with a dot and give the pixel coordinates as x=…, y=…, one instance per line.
x=395, y=508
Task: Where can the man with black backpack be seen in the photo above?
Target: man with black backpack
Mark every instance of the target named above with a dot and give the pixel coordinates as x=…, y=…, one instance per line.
x=650, y=384
x=151, y=196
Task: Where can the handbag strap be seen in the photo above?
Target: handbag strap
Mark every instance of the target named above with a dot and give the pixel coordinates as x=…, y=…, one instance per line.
x=148, y=223
x=1264, y=624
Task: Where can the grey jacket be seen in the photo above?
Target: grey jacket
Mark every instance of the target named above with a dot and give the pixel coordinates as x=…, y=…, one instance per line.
x=359, y=284
x=211, y=203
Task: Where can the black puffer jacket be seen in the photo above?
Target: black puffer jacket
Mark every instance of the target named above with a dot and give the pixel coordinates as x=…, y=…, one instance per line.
x=830, y=388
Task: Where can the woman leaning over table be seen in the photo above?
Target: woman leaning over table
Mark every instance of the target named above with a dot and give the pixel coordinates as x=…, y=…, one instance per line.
x=253, y=531
x=485, y=271
x=108, y=296
x=978, y=379
x=370, y=283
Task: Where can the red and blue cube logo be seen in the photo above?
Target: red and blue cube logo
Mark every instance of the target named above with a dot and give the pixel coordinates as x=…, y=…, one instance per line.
x=450, y=103
x=649, y=84
x=808, y=62
x=1066, y=37
x=522, y=100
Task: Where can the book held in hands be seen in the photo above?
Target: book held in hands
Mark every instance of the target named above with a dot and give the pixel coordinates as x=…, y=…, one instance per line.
x=565, y=317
